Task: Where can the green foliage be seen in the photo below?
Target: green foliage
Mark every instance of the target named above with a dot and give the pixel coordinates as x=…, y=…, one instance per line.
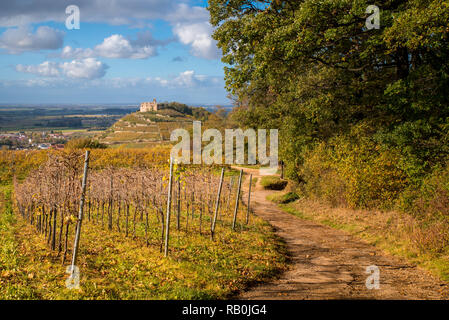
x=176, y=106
x=432, y=198
x=358, y=173
x=363, y=114
x=10, y=258
x=284, y=198
x=134, y=119
x=201, y=114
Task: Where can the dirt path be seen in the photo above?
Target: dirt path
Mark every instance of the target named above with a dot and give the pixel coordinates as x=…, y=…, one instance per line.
x=331, y=264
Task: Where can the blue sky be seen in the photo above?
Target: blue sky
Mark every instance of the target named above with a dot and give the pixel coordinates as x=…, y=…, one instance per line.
x=126, y=51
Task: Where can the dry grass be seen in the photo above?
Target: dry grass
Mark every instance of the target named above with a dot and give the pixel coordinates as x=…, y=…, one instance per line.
x=119, y=268
x=422, y=241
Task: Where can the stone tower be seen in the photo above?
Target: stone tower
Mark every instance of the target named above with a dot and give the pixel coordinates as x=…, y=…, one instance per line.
x=148, y=106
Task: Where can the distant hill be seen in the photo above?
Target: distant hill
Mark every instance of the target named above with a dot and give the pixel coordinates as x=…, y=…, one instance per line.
x=142, y=129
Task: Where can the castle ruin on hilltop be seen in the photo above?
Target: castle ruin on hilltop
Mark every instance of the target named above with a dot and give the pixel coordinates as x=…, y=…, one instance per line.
x=148, y=106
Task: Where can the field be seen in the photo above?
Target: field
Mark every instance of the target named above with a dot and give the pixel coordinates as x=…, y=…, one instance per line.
x=115, y=126
x=38, y=118
x=121, y=254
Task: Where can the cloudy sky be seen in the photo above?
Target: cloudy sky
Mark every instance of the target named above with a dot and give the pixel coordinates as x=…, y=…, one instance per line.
x=125, y=51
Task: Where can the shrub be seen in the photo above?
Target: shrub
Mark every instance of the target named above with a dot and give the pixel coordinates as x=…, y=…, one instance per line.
x=432, y=198
x=285, y=198
x=85, y=143
x=354, y=171
x=273, y=183
x=322, y=180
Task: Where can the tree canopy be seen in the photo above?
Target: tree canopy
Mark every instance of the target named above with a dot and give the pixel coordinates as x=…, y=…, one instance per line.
x=314, y=70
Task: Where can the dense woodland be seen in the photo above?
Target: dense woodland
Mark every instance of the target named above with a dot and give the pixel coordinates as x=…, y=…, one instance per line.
x=363, y=114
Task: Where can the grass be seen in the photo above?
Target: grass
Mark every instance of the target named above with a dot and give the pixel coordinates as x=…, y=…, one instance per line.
x=115, y=267
x=13, y=284
x=283, y=198
x=143, y=145
x=388, y=230
x=254, y=182
x=273, y=183
x=250, y=166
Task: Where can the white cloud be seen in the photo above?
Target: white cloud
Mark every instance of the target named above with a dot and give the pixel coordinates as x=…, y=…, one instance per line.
x=189, y=79
x=92, y=69
x=186, y=79
x=185, y=14
x=191, y=27
x=199, y=37
x=22, y=39
x=190, y=23
x=45, y=69
x=79, y=53
x=88, y=68
x=116, y=47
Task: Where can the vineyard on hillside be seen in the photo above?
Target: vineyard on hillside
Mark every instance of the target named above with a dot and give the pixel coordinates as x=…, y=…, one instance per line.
x=129, y=204
x=128, y=201
x=146, y=128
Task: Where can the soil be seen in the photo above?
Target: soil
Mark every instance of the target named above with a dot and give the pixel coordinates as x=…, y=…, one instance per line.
x=326, y=263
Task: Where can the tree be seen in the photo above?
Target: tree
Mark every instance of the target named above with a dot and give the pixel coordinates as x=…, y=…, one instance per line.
x=313, y=70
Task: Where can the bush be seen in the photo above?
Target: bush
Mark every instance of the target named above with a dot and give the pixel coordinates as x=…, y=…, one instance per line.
x=85, y=143
x=357, y=172
x=273, y=183
x=432, y=198
x=285, y=198
x=321, y=179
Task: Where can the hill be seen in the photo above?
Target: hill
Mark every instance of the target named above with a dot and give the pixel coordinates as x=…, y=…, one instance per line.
x=145, y=129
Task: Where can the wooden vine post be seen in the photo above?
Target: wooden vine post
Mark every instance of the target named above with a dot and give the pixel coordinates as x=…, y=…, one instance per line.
x=217, y=204
x=282, y=169
x=80, y=214
x=249, y=198
x=167, y=224
x=178, y=198
x=237, y=200
x=231, y=184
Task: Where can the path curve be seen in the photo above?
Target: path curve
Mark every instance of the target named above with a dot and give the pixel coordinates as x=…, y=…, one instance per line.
x=331, y=264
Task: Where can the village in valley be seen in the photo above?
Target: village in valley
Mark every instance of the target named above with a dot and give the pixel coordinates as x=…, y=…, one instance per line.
x=33, y=140
x=147, y=123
